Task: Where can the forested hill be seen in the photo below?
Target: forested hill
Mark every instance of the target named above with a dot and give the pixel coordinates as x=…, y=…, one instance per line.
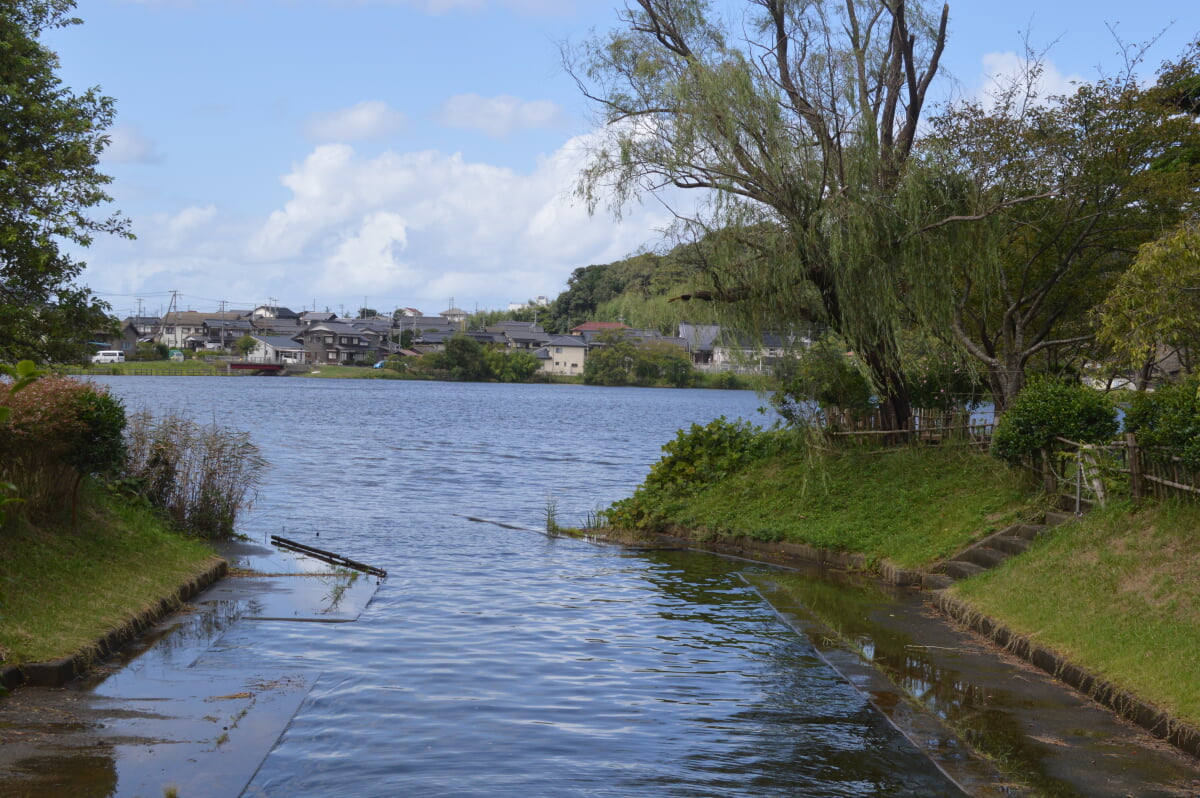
x=635, y=291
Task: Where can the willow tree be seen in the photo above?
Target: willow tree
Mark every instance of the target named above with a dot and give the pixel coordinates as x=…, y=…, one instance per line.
x=1055, y=196
x=794, y=125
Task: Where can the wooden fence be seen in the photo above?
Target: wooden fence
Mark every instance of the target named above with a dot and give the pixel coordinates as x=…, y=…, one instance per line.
x=1087, y=472
x=927, y=426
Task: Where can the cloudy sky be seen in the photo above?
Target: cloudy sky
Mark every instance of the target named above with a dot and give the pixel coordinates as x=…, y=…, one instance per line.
x=411, y=153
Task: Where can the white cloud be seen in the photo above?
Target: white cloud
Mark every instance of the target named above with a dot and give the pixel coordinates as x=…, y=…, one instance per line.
x=128, y=145
x=1002, y=70
x=498, y=116
x=371, y=119
x=405, y=229
x=368, y=258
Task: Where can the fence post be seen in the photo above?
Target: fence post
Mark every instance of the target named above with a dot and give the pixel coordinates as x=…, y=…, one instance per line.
x=1134, y=456
x=1048, y=481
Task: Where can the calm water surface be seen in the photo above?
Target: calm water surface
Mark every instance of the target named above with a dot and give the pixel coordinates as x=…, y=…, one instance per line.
x=496, y=661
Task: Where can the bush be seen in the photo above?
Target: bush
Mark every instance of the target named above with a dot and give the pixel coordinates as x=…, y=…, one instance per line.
x=56, y=431
x=1047, y=409
x=1169, y=418
x=702, y=455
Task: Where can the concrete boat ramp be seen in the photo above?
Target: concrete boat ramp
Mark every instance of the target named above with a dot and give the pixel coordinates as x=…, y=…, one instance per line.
x=162, y=716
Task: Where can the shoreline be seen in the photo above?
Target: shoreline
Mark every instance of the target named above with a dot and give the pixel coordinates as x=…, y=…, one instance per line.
x=1181, y=736
x=58, y=672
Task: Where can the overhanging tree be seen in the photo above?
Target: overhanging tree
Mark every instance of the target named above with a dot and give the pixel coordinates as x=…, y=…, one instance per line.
x=797, y=130
x=50, y=145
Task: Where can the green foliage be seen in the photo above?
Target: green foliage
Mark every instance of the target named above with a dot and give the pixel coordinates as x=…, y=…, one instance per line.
x=20, y=377
x=1155, y=302
x=825, y=379
x=466, y=359
x=1059, y=192
x=1047, y=409
x=619, y=360
x=99, y=449
x=696, y=458
x=50, y=144
x=508, y=365
x=1169, y=418
x=938, y=382
x=611, y=363
x=55, y=431
x=245, y=345
x=700, y=455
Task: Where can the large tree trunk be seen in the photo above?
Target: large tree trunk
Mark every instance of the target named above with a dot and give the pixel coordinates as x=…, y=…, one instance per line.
x=895, y=404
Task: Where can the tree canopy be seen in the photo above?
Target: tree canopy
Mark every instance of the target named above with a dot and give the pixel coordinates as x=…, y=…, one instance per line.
x=796, y=129
x=50, y=183
x=1050, y=198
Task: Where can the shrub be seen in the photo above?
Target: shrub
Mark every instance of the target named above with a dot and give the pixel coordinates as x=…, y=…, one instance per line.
x=56, y=431
x=701, y=455
x=1169, y=418
x=1047, y=409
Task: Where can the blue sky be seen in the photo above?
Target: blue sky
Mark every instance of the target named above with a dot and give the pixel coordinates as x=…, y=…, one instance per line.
x=411, y=152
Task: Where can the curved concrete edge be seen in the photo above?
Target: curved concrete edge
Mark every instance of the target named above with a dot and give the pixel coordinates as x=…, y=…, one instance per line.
x=57, y=673
x=1158, y=723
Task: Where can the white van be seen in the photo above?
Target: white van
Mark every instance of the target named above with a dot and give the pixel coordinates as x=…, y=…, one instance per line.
x=109, y=356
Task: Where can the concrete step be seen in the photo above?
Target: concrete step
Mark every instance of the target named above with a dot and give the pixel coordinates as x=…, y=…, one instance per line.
x=956, y=569
x=1009, y=544
x=1056, y=517
x=936, y=581
x=983, y=556
x=1027, y=531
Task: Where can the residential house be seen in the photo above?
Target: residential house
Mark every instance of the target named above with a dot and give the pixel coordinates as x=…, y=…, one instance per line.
x=563, y=355
x=700, y=338
x=225, y=333
x=137, y=330
x=184, y=329
x=277, y=349
x=339, y=342
x=455, y=316
x=590, y=330
x=274, y=312
x=519, y=334
x=313, y=316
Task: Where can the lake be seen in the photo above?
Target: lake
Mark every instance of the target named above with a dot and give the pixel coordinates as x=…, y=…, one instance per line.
x=495, y=660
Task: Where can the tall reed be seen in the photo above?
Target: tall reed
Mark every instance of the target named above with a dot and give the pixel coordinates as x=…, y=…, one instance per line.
x=201, y=476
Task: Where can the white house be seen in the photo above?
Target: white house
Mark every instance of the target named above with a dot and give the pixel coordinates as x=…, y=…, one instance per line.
x=277, y=349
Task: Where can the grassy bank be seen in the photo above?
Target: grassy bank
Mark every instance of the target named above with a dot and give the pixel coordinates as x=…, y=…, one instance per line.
x=62, y=588
x=912, y=506
x=1116, y=593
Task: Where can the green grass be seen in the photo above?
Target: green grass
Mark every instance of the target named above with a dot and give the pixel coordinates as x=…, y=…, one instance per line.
x=912, y=506
x=61, y=589
x=190, y=367
x=1117, y=594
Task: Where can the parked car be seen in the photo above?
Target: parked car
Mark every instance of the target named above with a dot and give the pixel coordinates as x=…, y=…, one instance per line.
x=109, y=356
